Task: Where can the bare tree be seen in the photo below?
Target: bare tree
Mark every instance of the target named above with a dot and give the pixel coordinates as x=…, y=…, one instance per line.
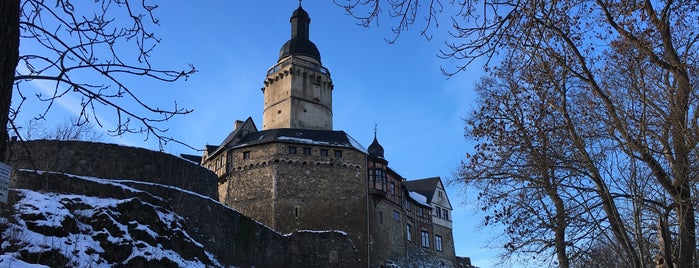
x=635, y=64
x=86, y=50
x=68, y=130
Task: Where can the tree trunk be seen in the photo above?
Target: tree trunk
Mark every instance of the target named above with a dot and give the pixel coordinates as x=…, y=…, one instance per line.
x=687, y=226
x=9, y=55
x=560, y=229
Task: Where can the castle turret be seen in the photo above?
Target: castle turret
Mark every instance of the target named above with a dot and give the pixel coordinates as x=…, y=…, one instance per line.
x=298, y=89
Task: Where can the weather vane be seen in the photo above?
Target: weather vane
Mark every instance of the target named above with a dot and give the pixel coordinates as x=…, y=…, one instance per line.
x=300, y=3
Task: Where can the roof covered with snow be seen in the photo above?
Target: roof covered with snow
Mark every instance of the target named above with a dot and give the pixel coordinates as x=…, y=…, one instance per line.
x=420, y=199
x=425, y=187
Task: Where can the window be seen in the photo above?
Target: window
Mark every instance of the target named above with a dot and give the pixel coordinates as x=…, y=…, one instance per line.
x=246, y=155
x=438, y=242
x=439, y=193
x=419, y=211
x=392, y=188
x=445, y=214
x=408, y=233
x=378, y=178
x=396, y=215
x=408, y=207
x=380, y=217
x=438, y=211
x=323, y=152
x=306, y=151
x=338, y=154
x=292, y=150
x=296, y=212
x=425, y=238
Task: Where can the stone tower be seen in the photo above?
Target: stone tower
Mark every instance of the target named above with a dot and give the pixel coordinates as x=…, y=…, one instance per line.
x=298, y=89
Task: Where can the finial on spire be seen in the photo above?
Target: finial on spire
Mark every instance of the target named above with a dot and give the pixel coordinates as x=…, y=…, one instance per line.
x=375, y=149
x=300, y=3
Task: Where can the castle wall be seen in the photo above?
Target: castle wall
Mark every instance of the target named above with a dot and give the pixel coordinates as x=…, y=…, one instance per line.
x=291, y=192
x=322, y=192
x=448, y=252
x=388, y=240
x=111, y=161
x=249, y=188
x=234, y=239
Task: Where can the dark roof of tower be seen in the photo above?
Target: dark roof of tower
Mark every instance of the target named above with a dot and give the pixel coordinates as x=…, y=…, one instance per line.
x=248, y=135
x=375, y=149
x=302, y=136
x=299, y=44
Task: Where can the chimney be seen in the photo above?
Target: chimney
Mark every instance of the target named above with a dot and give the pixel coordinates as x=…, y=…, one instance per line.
x=238, y=123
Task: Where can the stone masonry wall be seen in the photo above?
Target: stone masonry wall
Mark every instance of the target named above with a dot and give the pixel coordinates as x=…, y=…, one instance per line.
x=111, y=161
x=322, y=193
x=291, y=192
x=388, y=242
x=249, y=188
x=233, y=238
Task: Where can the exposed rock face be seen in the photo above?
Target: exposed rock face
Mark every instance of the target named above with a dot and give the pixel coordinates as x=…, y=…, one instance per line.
x=125, y=228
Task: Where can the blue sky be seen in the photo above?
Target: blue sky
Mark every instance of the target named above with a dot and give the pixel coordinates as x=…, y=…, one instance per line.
x=399, y=88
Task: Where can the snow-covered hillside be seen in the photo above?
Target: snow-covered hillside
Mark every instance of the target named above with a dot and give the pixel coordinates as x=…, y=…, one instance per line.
x=69, y=230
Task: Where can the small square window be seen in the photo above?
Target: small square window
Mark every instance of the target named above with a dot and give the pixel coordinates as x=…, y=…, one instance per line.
x=292, y=150
x=396, y=215
x=338, y=154
x=323, y=152
x=306, y=151
x=246, y=155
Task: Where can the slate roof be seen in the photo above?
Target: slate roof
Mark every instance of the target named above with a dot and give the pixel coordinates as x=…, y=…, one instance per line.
x=302, y=136
x=234, y=136
x=424, y=187
x=210, y=149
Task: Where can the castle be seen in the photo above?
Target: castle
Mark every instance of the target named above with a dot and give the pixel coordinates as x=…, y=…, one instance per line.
x=297, y=173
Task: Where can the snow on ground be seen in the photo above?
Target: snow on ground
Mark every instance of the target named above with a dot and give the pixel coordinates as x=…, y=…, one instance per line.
x=43, y=223
x=9, y=261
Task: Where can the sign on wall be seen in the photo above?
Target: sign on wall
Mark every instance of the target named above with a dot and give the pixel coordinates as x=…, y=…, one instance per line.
x=5, y=171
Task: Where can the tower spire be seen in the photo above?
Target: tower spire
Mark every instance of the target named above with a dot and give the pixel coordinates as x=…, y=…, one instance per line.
x=375, y=149
x=300, y=44
x=298, y=89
